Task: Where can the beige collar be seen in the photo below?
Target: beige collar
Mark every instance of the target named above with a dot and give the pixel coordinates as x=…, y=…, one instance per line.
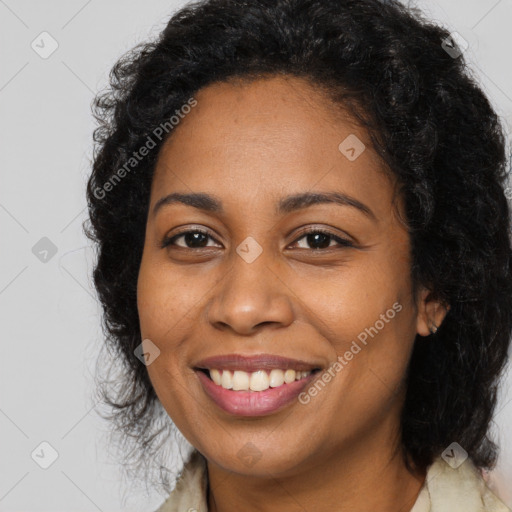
x=445, y=489
x=456, y=490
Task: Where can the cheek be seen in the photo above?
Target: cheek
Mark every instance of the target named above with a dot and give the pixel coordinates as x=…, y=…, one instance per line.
x=163, y=303
x=169, y=303
x=347, y=301
x=367, y=315
x=163, y=299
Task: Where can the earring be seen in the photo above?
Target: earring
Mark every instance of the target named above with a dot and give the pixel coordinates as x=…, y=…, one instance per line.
x=433, y=328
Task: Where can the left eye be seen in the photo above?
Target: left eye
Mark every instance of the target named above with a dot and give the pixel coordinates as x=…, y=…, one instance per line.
x=196, y=239
x=322, y=239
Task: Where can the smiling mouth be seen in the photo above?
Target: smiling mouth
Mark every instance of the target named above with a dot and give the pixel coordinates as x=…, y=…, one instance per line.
x=259, y=380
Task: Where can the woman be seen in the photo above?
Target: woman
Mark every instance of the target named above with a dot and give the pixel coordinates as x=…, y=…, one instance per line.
x=304, y=257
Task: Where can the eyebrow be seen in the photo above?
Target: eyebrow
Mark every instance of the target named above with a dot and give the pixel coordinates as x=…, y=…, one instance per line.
x=210, y=203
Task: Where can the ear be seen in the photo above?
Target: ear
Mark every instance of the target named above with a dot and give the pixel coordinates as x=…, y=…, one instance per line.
x=431, y=313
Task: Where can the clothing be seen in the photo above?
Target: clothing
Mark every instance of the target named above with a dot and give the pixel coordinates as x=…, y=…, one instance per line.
x=445, y=489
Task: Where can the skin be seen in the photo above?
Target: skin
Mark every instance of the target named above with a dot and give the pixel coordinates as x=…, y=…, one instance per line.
x=251, y=144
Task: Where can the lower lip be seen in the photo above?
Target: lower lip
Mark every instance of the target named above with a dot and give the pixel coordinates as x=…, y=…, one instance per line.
x=253, y=403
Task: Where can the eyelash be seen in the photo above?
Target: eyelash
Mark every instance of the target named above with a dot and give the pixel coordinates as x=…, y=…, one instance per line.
x=168, y=241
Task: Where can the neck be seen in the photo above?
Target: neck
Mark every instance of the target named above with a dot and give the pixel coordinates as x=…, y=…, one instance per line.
x=365, y=479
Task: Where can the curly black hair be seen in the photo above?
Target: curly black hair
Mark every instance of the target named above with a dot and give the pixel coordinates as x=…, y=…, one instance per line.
x=405, y=81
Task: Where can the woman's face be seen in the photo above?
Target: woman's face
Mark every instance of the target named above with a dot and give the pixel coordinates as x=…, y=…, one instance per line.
x=256, y=284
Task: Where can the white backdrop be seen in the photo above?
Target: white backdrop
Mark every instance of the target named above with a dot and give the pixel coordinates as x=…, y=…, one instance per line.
x=49, y=316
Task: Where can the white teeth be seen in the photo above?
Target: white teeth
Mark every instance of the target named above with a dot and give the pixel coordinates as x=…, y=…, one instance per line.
x=216, y=377
x=227, y=379
x=276, y=378
x=289, y=376
x=240, y=381
x=259, y=380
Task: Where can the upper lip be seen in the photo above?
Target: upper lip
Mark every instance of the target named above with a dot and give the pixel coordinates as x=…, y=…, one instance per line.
x=254, y=363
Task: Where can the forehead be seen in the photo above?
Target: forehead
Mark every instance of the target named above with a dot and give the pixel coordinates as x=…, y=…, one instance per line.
x=266, y=137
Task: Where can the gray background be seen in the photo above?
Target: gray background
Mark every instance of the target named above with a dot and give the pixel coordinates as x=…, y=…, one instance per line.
x=49, y=316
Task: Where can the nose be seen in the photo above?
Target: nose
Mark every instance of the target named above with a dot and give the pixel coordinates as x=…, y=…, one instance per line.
x=251, y=295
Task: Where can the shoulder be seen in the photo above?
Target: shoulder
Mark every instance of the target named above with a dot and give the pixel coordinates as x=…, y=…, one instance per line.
x=456, y=489
x=189, y=495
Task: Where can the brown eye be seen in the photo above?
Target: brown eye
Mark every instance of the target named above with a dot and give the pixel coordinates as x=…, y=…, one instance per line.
x=193, y=239
x=321, y=239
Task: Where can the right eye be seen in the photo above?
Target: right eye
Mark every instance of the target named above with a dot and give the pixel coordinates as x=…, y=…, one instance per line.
x=193, y=239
